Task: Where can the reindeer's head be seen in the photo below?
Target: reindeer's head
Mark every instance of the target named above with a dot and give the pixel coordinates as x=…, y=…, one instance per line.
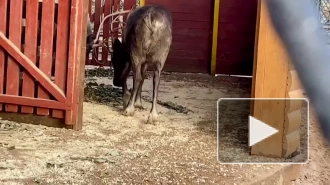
x=120, y=63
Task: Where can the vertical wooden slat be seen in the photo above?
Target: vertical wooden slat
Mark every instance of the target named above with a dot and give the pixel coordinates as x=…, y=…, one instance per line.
x=15, y=29
x=75, y=54
x=115, y=25
x=62, y=49
x=271, y=59
x=106, y=29
x=90, y=7
x=89, y=62
x=30, y=49
x=3, y=23
x=46, y=47
x=81, y=74
x=215, y=36
x=255, y=59
x=97, y=15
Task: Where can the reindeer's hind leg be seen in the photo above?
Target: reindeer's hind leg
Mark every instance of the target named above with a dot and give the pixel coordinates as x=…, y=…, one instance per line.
x=153, y=115
x=137, y=77
x=138, y=100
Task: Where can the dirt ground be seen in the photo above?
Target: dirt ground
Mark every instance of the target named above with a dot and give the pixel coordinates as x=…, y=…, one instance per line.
x=114, y=149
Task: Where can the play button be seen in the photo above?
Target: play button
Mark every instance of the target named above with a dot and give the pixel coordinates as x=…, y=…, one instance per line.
x=259, y=131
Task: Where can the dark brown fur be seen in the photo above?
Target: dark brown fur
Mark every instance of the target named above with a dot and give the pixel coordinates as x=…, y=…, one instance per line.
x=146, y=42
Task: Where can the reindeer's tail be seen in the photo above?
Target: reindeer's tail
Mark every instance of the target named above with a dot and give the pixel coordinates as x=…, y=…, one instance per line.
x=156, y=21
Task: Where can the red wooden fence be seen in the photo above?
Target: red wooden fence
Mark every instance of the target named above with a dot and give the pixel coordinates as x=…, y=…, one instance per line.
x=40, y=61
x=102, y=55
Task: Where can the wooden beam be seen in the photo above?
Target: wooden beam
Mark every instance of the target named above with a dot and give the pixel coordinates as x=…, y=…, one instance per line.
x=215, y=36
x=33, y=102
x=31, y=68
x=3, y=28
x=77, y=31
x=271, y=74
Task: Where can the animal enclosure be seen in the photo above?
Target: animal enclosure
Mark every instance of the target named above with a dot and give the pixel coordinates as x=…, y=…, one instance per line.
x=42, y=58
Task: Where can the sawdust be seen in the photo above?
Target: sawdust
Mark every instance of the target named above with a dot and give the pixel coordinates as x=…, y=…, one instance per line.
x=114, y=149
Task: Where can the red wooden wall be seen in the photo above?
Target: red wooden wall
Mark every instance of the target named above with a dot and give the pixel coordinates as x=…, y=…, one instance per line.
x=236, y=35
x=192, y=35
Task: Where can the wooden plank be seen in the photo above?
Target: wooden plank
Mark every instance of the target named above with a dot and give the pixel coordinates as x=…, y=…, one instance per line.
x=201, y=46
x=189, y=54
x=33, y=102
x=271, y=59
x=291, y=142
x=215, y=36
x=199, y=26
x=62, y=43
x=81, y=73
x=205, y=42
x=115, y=4
x=204, y=17
x=128, y=5
x=293, y=81
x=15, y=29
x=190, y=65
x=292, y=121
x=31, y=35
x=203, y=33
x=189, y=6
x=106, y=28
x=255, y=55
x=97, y=15
x=76, y=32
x=3, y=27
x=46, y=47
x=90, y=9
x=292, y=105
x=203, y=25
x=170, y=67
x=29, y=66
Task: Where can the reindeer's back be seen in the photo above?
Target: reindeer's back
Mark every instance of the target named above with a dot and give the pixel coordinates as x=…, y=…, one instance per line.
x=148, y=27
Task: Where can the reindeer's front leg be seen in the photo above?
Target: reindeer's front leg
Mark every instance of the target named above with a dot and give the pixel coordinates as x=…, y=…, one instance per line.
x=126, y=95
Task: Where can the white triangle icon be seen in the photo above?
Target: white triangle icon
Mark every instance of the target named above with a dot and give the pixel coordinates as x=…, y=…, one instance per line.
x=259, y=131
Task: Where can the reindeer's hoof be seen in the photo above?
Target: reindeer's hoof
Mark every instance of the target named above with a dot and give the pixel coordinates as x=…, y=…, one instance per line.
x=129, y=111
x=152, y=119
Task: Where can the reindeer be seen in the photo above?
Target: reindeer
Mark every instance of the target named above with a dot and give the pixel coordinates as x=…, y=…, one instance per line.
x=146, y=43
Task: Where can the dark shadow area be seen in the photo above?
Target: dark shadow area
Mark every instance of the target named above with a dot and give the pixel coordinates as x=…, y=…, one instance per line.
x=233, y=122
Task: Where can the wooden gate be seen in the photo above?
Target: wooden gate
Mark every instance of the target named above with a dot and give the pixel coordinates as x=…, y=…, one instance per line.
x=42, y=63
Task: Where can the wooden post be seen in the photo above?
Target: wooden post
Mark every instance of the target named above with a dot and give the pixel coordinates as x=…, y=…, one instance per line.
x=274, y=77
x=142, y=2
x=215, y=36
